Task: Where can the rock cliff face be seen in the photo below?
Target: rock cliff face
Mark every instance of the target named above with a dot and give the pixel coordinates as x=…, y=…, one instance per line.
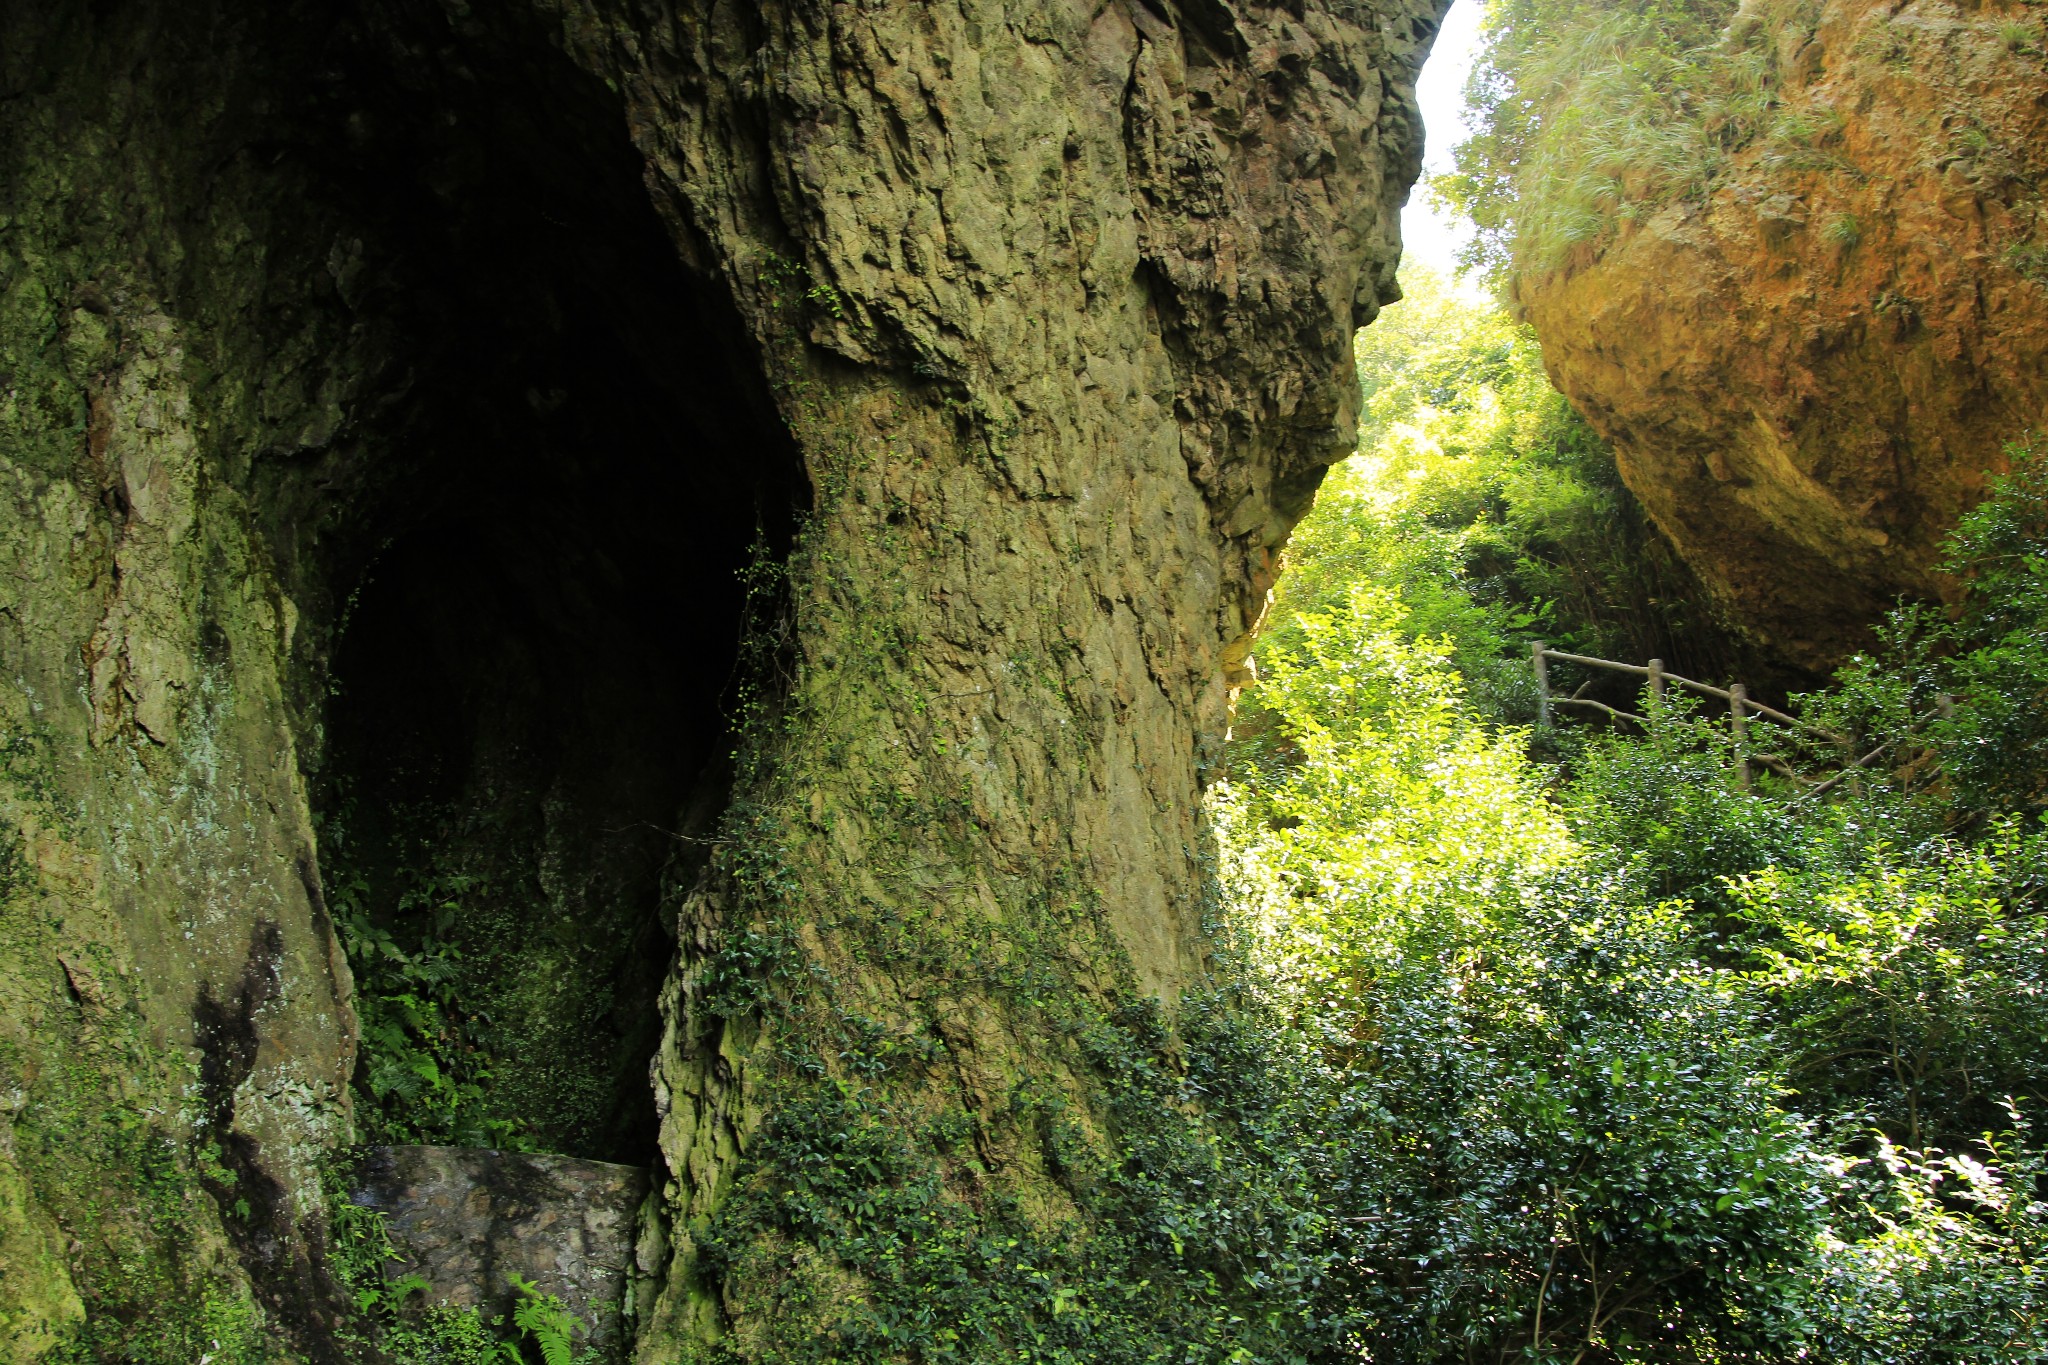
x=393, y=398
x=1806, y=376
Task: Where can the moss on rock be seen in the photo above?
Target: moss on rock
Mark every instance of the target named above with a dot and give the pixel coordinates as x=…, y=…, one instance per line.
x=483, y=344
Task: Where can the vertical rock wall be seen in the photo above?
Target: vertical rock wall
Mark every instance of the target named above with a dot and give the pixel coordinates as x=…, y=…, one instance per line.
x=1053, y=299
x=175, y=1028
x=1057, y=300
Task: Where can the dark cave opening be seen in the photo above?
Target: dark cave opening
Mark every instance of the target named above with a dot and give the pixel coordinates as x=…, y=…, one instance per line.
x=540, y=584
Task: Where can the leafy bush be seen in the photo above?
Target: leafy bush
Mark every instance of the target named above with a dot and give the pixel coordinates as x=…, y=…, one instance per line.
x=1492, y=505
x=1583, y=1141
x=1560, y=1123
x=423, y=1070
x=1667, y=804
x=1190, y=1238
x=1913, y=991
x=1614, y=1057
x=1995, y=743
x=1949, y=1264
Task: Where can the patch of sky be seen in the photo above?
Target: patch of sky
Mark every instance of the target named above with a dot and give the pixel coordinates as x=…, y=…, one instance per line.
x=1432, y=234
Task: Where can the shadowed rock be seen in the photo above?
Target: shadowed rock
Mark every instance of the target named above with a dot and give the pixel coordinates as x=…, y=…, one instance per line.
x=468, y=1219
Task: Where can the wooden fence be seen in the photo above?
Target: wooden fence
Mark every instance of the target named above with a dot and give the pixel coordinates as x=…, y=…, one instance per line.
x=1742, y=709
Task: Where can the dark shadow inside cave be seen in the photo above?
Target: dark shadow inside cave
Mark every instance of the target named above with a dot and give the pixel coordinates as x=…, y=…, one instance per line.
x=574, y=461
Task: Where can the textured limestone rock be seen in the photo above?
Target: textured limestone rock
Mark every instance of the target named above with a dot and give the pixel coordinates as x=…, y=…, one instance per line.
x=1048, y=306
x=468, y=1219
x=1806, y=376
x=1057, y=298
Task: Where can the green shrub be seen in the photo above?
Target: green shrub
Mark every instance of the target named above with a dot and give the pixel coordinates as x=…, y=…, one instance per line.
x=1944, y=1262
x=1665, y=804
x=1615, y=1058
x=1197, y=1232
x=1913, y=990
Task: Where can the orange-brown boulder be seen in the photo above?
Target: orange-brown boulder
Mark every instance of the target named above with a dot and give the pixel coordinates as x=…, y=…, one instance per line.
x=1806, y=373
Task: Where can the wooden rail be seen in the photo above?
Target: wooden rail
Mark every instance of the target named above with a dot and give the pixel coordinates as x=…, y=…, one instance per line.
x=1741, y=707
x=1654, y=671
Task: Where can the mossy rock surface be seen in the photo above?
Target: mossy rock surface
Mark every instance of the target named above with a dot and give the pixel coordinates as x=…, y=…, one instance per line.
x=760, y=514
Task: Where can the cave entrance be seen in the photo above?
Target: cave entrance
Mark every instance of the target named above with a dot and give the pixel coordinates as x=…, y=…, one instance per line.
x=576, y=458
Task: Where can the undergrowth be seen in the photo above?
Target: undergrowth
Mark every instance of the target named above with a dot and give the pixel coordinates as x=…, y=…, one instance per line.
x=1195, y=1233
x=424, y=1070
x=1617, y=1055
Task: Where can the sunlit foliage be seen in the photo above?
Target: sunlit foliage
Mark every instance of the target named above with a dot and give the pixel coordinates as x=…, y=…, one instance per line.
x=1495, y=508
x=1617, y=1059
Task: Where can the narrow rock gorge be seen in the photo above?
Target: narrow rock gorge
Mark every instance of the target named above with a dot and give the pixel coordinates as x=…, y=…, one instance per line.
x=747, y=517
x=1806, y=372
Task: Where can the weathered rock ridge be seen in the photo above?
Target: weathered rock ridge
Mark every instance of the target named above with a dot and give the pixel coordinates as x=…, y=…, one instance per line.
x=391, y=397
x=1806, y=376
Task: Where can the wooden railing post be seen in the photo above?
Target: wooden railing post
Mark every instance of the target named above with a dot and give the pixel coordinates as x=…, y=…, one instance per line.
x=1541, y=664
x=1656, y=688
x=1738, y=723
